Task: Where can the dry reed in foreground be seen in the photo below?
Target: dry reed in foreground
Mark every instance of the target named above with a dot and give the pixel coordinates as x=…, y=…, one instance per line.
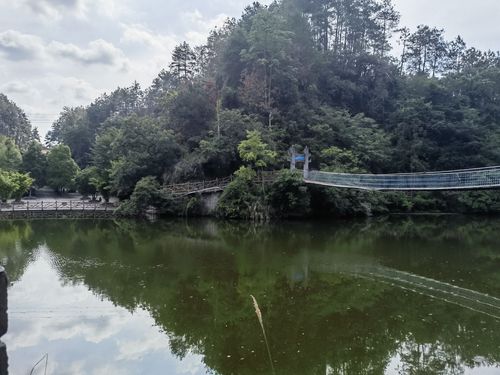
x=261, y=321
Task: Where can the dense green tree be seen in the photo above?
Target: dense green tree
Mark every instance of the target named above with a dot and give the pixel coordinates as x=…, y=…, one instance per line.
x=427, y=51
x=73, y=129
x=255, y=152
x=183, y=62
x=7, y=186
x=78, y=127
x=35, y=163
x=141, y=148
x=14, y=123
x=190, y=112
x=22, y=183
x=14, y=185
x=10, y=156
x=61, y=168
x=220, y=150
x=288, y=196
x=102, y=157
x=162, y=85
x=268, y=53
x=87, y=182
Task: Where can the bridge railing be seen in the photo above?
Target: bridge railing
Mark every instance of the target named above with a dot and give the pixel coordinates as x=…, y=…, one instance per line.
x=479, y=178
x=218, y=184
x=56, y=206
x=199, y=186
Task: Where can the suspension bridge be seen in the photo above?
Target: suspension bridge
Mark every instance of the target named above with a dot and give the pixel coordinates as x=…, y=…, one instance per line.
x=465, y=179
x=462, y=179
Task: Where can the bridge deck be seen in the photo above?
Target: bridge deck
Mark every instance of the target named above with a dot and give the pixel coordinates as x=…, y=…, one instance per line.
x=467, y=179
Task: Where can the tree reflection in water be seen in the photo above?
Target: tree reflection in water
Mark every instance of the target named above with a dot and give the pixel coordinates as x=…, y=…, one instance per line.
x=324, y=305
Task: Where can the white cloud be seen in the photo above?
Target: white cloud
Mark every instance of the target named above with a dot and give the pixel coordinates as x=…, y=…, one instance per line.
x=56, y=8
x=51, y=10
x=98, y=52
x=16, y=87
x=133, y=350
x=78, y=88
x=43, y=97
x=140, y=34
x=16, y=46
x=200, y=26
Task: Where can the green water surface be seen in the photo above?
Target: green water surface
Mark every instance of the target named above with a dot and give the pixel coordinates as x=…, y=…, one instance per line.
x=384, y=296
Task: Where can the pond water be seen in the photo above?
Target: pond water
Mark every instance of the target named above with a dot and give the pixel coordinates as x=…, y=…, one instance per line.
x=384, y=296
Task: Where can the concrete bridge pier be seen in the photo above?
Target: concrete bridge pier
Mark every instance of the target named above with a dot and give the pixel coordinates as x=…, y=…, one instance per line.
x=209, y=202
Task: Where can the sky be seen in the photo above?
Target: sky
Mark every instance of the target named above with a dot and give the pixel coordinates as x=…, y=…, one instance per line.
x=56, y=53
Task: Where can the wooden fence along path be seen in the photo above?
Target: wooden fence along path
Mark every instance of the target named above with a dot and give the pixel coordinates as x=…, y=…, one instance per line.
x=56, y=206
x=82, y=207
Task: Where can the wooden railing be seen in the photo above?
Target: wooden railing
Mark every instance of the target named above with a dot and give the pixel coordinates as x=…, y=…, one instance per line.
x=46, y=206
x=216, y=185
x=199, y=187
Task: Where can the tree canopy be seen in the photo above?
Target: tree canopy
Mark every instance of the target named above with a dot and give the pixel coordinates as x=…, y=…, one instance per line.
x=61, y=168
x=14, y=123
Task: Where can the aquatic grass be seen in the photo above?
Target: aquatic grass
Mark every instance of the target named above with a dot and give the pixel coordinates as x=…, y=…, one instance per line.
x=261, y=321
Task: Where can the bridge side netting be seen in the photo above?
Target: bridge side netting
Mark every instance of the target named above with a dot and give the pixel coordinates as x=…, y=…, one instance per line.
x=481, y=178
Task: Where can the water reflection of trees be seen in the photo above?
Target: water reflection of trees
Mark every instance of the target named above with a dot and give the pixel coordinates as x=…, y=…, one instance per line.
x=195, y=279
x=17, y=247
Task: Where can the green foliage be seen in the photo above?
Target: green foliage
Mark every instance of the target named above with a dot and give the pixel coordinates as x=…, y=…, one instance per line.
x=61, y=168
x=183, y=62
x=14, y=123
x=220, y=149
x=479, y=202
x=102, y=156
x=288, y=196
x=246, y=174
x=255, y=152
x=14, y=185
x=87, y=182
x=22, y=183
x=10, y=156
x=140, y=148
x=147, y=193
x=347, y=203
x=35, y=163
x=190, y=111
x=7, y=186
x=241, y=200
x=340, y=160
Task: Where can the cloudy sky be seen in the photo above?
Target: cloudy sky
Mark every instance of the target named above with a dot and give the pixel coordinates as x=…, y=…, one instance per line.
x=56, y=53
